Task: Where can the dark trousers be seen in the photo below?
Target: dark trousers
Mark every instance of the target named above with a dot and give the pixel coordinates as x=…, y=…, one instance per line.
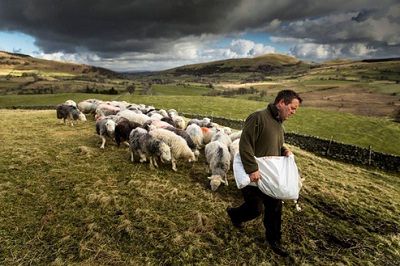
x=254, y=203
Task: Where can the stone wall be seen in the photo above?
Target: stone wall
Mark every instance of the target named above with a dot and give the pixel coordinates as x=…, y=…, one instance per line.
x=325, y=147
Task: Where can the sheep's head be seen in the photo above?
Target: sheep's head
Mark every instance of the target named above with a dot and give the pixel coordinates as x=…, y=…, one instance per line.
x=110, y=125
x=215, y=181
x=82, y=117
x=165, y=152
x=191, y=157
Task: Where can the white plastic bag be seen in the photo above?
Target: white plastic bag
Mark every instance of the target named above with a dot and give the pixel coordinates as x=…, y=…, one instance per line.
x=279, y=176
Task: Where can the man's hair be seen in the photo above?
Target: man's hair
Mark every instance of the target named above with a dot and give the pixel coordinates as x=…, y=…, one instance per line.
x=287, y=96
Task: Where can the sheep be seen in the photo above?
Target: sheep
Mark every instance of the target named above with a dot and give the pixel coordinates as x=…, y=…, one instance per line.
x=123, y=128
x=146, y=147
x=187, y=138
x=169, y=120
x=196, y=135
x=178, y=145
x=88, y=106
x=219, y=162
x=70, y=102
x=69, y=112
x=133, y=116
x=208, y=133
x=105, y=109
x=155, y=124
x=222, y=137
x=235, y=135
x=205, y=122
x=179, y=121
x=105, y=127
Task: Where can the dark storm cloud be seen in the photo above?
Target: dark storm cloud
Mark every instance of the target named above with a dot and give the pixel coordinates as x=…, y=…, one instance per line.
x=113, y=27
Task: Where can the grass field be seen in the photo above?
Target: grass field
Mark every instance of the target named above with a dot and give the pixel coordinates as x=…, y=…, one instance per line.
x=382, y=134
x=64, y=201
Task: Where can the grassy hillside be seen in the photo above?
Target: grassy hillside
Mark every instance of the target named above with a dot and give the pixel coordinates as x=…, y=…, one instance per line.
x=23, y=74
x=382, y=134
x=269, y=64
x=65, y=201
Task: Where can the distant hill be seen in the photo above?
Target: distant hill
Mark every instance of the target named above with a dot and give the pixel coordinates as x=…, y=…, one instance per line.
x=23, y=74
x=20, y=62
x=270, y=64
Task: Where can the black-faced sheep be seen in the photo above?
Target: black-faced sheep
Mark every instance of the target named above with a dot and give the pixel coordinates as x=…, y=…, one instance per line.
x=69, y=112
x=123, y=128
x=178, y=145
x=219, y=162
x=105, y=127
x=145, y=146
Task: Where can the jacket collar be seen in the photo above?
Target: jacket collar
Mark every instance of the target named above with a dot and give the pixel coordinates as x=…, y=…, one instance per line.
x=274, y=112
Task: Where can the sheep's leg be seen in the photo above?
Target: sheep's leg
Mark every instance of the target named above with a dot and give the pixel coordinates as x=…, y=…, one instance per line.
x=103, y=143
x=154, y=161
x=132, y=159
x=142, y=157
x=173, y=161
x=226, y=180
x=151, y=163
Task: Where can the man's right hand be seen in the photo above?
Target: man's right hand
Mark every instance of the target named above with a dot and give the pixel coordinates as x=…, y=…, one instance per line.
x=255, y=176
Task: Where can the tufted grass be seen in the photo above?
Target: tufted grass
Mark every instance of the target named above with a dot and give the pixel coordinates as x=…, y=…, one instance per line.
x=64, y=201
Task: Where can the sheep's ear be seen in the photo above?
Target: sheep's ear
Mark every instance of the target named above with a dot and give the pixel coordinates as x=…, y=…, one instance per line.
x=223, y=181
x=210, y=177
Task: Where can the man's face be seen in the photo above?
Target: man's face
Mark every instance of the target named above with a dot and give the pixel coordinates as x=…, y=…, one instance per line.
x=286, y=110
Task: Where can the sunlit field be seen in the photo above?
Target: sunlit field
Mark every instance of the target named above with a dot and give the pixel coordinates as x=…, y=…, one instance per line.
x=65, y=201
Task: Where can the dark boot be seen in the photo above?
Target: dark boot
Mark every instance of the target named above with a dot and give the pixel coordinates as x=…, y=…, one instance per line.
x=236, y=224
x=278, y=248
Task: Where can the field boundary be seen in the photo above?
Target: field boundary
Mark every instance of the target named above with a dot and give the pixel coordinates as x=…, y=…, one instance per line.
x=325, y=147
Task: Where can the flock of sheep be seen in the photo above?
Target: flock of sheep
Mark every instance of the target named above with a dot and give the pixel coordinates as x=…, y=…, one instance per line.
x=158, y=135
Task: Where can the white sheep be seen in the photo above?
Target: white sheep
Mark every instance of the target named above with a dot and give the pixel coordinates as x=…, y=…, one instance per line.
x=133, y=116
x=105, y=109
x=145, y=146
x=222, y=137
x=219, y=162
x=70, y=102
x=88, y=106
x=196, y=135
x=178, y=145
x=105, y=127
x=235, y=135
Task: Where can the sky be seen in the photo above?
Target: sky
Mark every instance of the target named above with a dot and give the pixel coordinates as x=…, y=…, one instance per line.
x=151, y=35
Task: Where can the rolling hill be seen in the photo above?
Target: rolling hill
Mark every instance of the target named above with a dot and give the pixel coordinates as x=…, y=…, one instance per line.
x=23, y=74
x=271, y=64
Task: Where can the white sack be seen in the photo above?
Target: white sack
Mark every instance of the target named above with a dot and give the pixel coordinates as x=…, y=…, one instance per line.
x=279, y=176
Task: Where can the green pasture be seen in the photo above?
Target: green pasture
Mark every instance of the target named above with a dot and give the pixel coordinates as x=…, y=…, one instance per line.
x=65, y=201
x=184, y=89
x=382, y=134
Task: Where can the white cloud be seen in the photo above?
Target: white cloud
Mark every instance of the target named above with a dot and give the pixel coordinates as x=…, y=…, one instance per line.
x=247, y=48
x=360, y=49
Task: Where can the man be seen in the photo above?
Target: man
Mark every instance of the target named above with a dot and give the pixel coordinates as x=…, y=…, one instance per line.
x=263, y=135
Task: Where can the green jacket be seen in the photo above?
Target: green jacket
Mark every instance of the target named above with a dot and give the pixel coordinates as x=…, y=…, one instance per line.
x=262, y=135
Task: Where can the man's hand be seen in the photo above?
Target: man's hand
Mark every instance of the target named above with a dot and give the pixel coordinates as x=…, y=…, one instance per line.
x=255, y=176
x=287, y=153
